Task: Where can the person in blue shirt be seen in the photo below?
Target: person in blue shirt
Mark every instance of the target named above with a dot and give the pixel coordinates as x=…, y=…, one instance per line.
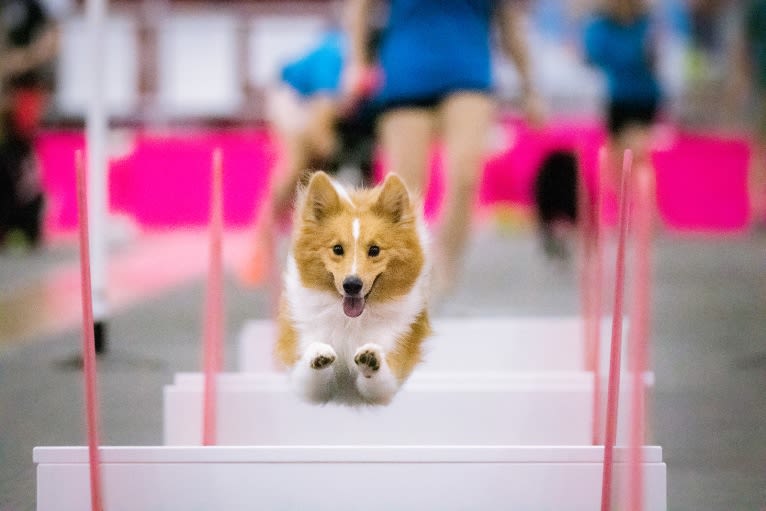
x=29, y=38
x=435, y=61
x=316, y=129
x=619, y=40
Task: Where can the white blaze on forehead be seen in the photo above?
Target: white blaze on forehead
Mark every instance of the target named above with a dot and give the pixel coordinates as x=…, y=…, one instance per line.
x=355, y=228
x=342, y=192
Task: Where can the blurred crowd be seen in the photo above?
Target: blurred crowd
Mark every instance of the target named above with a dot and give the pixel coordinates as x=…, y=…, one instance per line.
x=401, y=73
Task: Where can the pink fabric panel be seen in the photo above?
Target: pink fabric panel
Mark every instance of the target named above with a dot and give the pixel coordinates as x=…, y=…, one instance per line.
x=163, y=180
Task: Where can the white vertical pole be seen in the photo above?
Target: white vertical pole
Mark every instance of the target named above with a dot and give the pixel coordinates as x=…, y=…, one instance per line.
x=96, y=138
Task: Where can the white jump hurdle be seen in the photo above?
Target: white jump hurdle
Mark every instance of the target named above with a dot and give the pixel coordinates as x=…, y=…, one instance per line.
x=338, y=478
x=432, y=408
x=475, y=344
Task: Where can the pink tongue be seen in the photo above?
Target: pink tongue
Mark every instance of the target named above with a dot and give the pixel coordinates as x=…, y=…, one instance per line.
x=353, y=305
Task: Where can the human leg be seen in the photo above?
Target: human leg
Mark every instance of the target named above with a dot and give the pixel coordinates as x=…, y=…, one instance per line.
x=406, y=135
x=465, y=118
x=275, y=206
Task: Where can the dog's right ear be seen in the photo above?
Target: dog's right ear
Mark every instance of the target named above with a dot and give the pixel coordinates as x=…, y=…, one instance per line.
x=321, y=198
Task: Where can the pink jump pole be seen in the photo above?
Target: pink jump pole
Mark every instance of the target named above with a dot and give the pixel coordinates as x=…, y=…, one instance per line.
x=88, y=342
x=595, y=288
x=585, y=218
x=213, y=326
x=638, y=338
x=613, y=391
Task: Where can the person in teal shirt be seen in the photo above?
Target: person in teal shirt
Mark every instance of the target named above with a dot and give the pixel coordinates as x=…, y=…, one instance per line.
x=316, y=129
x=620, y=41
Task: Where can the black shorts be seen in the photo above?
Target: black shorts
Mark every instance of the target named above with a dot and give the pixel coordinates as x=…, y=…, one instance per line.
x=427, y=102
x=621, y=114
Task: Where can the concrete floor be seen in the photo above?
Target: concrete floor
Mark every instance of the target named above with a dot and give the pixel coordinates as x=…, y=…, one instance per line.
x=708, y=407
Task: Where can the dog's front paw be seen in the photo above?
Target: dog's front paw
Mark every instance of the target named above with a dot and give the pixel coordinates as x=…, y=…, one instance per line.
x=320, y=355
x=368, y=359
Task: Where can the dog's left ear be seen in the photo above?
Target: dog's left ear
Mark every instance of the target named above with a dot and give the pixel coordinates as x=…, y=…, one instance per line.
x=394, y=200
x=321, y=198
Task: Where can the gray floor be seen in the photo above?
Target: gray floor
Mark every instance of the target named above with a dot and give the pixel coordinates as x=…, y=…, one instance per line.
x=708, y=407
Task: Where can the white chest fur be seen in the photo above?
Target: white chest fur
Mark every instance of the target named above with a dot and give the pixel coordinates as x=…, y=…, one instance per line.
x=318, y=316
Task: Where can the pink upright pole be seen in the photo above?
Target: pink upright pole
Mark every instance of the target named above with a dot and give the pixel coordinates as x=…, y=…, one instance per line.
x=585, y=219
x=638, y=338
x=595, y=291
x=88, y=340
x=613, y=391
x=213, y=327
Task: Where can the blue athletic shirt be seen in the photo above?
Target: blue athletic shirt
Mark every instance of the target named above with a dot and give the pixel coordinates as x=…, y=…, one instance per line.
x=319, y=70
x=430, y=48
x=624, y=53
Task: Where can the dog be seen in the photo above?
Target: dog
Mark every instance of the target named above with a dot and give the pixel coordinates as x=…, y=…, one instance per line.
x=354, y=308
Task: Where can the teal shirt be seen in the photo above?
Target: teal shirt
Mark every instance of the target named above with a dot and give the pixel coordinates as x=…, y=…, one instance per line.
x=624, y=53
x=431, y=48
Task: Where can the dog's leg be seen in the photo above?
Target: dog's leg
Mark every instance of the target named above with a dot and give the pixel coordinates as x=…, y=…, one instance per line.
x=375, y=381
x=313, y=376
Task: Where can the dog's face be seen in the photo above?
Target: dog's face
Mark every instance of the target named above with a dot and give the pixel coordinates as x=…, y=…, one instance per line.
x=363, y=246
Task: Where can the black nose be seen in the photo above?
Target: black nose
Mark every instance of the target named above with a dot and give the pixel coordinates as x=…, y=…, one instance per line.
x=352, y=285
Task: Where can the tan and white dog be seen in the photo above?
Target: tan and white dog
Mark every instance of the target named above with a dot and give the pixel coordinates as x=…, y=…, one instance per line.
x=353, y=314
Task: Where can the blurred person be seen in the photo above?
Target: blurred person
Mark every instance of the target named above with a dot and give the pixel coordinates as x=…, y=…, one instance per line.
x=435, y=65
x=317, y=130
x=751, y=74
x=620, y=40
x=29, y=39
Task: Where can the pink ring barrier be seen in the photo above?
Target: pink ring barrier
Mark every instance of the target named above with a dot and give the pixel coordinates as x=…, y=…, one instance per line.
x=88, y=339
x=213, y=329
x=613, y=389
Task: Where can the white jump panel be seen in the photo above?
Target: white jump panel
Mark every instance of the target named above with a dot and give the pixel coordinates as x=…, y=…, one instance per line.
x=518, y=409
x=480, y=344
x=338, y=478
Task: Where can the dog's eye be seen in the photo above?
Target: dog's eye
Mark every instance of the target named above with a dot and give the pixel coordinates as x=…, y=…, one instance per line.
x=337, y=250
x=374, y=251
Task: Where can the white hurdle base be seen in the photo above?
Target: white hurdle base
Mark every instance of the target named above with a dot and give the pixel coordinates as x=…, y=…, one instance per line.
x=475, y=344
x=338, y=478
x=487, y=409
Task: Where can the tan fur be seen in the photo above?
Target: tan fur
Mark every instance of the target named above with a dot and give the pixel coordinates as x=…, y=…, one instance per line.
x=388, y=220
x=286, y=349
x=408, y=352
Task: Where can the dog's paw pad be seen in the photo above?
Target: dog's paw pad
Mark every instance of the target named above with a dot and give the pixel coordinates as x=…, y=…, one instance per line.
x=368, y=360
x=322, y=361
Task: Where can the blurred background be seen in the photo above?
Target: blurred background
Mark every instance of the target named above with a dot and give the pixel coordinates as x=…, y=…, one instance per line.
x=183, y=77
x=178, y=71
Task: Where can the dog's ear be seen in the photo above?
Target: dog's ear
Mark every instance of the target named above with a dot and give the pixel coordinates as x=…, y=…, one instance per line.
x=321, y=198
x=394, y=200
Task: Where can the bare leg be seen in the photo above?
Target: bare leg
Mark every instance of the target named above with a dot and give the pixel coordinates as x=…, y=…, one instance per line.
x=406, y=135
x=259, y=267
x=299, y=146
x=466, y=119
